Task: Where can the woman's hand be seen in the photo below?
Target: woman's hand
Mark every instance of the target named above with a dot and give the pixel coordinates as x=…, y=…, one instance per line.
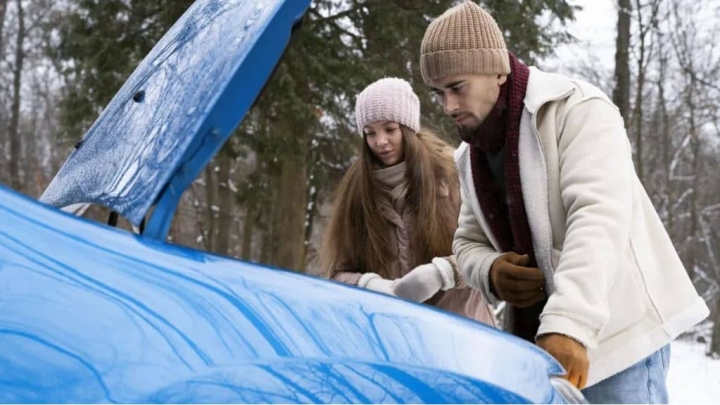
x=374, y=282
x=426, y=280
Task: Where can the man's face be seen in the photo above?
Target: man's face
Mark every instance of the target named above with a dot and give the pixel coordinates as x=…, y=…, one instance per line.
x=468, y=99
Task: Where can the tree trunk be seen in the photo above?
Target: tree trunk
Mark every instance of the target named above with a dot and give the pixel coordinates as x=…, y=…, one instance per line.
x=14, y=130
x=268, y=213
x=248, y=230
x=226, y=202
x=267, y=242
x=638, y=110
x=667, y=144
x=3, y=117
x=621, y=93
x=695, y=149
x=292, y=206
x=3, y=13
x=715, y=342
x=210, y=187
x=311, y=210
x=642, y=66
x=30, y=152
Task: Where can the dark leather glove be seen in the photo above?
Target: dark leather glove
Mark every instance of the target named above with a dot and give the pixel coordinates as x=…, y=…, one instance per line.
x=513, y=282
x=570, y=353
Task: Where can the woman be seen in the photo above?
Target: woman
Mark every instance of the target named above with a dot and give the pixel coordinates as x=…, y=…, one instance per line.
x=396, y=208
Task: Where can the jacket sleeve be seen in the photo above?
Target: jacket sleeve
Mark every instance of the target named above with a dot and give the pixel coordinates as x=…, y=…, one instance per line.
x=473, y=251
x=344, y=273
x=596, y=179
x=481, y=310
x=459, y=279
x=347, y=277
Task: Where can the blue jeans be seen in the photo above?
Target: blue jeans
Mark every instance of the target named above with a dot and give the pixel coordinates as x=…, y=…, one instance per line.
x=642, y=383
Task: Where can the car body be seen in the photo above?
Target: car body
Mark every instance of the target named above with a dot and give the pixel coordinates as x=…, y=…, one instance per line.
x=91, y=313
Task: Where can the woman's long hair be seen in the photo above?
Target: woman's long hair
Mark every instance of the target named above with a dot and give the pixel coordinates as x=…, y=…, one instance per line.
x=356, y=237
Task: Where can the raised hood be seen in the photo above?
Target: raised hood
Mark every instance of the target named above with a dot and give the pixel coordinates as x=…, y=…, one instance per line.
x=177, y=109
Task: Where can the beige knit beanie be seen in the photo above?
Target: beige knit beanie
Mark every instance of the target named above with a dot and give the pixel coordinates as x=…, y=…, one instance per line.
x=463, y=40
x=388, y=99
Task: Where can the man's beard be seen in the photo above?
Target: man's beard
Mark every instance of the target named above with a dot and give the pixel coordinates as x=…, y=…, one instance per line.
x=467, y=133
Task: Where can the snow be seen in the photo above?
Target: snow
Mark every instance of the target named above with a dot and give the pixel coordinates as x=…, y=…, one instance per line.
x=232, y=186
x=693, y=377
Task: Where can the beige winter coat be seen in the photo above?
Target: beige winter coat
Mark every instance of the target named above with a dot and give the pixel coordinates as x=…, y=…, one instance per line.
x=614, y=280
x=462, y=300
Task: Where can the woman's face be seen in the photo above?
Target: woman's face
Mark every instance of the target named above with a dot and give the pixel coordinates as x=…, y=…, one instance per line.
x=385, y=141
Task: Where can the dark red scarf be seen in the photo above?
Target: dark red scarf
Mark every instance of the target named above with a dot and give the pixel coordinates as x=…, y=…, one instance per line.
x=507, y=219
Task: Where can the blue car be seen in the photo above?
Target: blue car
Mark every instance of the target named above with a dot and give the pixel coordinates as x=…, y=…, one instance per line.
x=91, y=313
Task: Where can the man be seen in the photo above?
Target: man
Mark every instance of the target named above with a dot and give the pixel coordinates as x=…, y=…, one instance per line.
x=554, y=220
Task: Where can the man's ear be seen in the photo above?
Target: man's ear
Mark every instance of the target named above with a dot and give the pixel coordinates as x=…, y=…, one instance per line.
x=502, y=79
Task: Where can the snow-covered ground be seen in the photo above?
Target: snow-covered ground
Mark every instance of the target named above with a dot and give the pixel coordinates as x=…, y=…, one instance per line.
x=693, y=378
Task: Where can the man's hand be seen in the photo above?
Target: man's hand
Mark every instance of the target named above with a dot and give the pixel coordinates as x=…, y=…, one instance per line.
x=514, y=283
x=570, y=353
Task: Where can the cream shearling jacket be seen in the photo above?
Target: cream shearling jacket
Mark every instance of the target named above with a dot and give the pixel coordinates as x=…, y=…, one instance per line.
x=614, y=280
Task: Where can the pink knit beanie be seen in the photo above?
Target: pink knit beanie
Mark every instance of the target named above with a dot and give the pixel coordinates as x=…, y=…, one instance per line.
x=388, y=99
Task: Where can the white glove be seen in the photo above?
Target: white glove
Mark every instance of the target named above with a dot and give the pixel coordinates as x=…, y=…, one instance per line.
x=374, y=282
x=447, y=272
x=426, y=280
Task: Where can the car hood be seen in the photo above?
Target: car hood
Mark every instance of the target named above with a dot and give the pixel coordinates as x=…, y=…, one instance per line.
x=178, y=107
x=90, y=313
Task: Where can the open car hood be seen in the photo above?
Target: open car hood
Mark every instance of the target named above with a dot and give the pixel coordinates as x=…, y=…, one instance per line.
x=177, y=109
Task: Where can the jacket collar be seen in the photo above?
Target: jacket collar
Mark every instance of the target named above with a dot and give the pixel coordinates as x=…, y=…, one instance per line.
x=544, y=87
